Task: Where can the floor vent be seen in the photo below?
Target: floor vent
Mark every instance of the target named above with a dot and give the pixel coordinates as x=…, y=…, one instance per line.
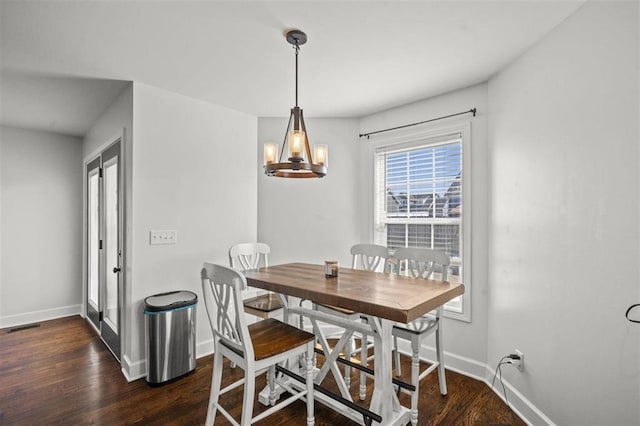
x=23, y=327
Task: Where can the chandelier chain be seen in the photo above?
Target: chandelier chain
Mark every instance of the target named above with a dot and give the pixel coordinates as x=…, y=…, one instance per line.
x=297, y=49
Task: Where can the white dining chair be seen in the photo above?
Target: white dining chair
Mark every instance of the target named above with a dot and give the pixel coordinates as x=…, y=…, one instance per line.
x=421, y=263
x=255, y=348
x=368, y=257
x=248, y=256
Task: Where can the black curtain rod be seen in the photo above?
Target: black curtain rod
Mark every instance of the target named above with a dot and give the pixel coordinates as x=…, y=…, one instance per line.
x=471, y=111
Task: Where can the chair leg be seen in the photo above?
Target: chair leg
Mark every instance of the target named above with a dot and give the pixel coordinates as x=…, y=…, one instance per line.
x=315, y=359
x=415, y=378
x=271, y=377
x=397, y=356
x=249, y=395
x=440, y=358
x=348, y=353
x=363, y=362
x=310, y=394
x=216, y=380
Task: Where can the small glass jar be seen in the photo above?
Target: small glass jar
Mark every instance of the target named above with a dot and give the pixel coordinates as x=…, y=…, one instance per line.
x=330, y=268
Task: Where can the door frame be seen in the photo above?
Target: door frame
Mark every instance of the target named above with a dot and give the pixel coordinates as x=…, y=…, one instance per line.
x=122, y=324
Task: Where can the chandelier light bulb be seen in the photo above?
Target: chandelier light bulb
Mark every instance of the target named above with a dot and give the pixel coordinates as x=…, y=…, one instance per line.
x=320, y=154
x=296, y=143
x=270, y=153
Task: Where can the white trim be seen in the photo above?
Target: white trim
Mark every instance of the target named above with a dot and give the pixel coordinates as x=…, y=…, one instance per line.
x=92, y=325
x=519, y=404
x=136, y=370
x=460, y=364
x=412, y=136
x=110, y=141
x=38, y=316
x=204, y=348
x=133, y=370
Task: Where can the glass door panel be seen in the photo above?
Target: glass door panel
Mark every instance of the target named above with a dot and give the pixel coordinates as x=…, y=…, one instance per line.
x=93, y=232
x=93, y=242
x=111, y=242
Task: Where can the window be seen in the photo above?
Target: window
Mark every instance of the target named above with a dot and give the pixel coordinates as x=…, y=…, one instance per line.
x=420, y=192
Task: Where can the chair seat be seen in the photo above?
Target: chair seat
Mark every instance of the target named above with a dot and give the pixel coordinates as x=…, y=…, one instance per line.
x=272, y=337
x=264, y=303
x=419, y=326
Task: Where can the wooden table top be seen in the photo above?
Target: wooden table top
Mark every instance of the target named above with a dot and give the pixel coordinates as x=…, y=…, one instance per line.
x=397, y=298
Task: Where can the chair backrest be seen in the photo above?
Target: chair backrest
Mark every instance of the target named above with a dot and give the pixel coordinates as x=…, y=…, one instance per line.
x=369, y=256
x=422, y=262
x=222, y=290
x=248, y=256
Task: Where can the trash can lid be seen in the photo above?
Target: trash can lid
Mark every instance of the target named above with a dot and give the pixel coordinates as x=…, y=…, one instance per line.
x=170, y=300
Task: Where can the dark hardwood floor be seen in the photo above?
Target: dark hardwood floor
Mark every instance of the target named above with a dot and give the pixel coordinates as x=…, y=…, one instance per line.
x=61, y=373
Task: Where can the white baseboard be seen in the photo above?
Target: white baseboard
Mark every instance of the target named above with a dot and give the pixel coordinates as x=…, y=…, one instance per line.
x=463, y=365
x=133, y=370
x=136, y=370
x=38, y=316
x=204, y=348
x=527, y=411
x=520, y=405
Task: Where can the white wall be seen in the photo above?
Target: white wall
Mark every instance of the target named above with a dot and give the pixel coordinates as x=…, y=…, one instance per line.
x=312, y=220
x=118, y=116
x=41, y=210
x=194, y=171
x=465, y=343
x=563, y=149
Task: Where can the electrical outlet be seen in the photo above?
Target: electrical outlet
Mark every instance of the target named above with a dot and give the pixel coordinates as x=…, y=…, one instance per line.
x=518, y=362
x=163, y=237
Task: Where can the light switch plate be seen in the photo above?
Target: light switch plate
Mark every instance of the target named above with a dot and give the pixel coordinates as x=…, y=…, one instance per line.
x=163, y=237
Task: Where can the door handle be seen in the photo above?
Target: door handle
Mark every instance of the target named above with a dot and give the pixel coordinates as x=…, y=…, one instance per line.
x=116, y=270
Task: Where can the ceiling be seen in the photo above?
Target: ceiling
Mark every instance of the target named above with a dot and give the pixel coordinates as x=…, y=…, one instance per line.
x=68, y=105
x=63, y=62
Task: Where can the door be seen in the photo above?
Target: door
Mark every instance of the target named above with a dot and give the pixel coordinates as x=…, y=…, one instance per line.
x=104, y=245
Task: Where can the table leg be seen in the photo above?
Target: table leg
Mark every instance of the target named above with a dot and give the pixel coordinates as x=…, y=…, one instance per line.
x=384, y=400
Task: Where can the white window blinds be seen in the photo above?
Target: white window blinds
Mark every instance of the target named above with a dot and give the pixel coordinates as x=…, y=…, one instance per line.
x=418, y=193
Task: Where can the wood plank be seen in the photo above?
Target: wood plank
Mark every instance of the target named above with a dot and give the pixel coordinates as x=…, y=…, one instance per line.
x=61, y=373
x=271, y=337
x=397, y=298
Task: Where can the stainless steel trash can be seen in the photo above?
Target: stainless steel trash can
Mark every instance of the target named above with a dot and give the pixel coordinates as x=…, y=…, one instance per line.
x=170, y=324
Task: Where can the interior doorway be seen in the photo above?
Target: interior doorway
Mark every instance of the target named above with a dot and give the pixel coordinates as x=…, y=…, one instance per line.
x=104, y=212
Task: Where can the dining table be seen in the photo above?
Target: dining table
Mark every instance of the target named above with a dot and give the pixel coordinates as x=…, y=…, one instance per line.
x=382, y=299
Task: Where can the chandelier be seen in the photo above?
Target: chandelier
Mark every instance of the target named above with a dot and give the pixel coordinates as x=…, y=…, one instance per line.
x=300, y=163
